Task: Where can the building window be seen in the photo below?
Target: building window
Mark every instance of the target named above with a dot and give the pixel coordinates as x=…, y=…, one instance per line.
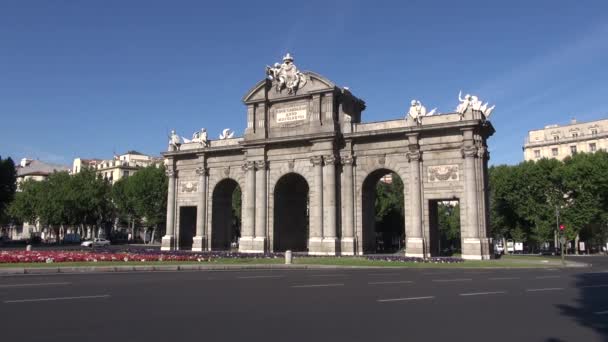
x=594, y=132
x=554, y=152
x=536, y=153
x=592, y=147
x=556, y=137
x=574, y=135
x=572, y=149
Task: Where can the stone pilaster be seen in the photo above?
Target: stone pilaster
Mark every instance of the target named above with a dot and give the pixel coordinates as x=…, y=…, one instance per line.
x=316, y=208
x=248, y=219
x=330, y=236
x=414, y=244
x=473, y=245
x=168, y=241
x=199, y=242
x=261, y=196
x=348, y=224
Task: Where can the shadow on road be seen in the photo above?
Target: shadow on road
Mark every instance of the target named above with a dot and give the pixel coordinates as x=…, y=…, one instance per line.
x=592, y=304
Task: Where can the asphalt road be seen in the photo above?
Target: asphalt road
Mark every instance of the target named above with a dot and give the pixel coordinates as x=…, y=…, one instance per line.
x=312, y=305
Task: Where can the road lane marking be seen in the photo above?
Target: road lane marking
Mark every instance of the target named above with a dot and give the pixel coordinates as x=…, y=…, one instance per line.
x=481, y=293
x=390, y=282
x=547, y=277
x=593, y=286
x=261, y=277
x=328, y=275
x=33, y=284
x=403, y=299
x=545, y=289
x=504, y=278
x=54, y=299
x=448, y=280
x=601, y=312
x=382, y=274
x=316, y=285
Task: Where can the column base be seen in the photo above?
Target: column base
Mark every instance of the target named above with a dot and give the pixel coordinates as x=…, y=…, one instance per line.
x=199, y=243
x=347, y=246
x=476, y=249
x=168, y=243
x=315, y=246
x=259, y=244
x=247, y=245
x=414, y=247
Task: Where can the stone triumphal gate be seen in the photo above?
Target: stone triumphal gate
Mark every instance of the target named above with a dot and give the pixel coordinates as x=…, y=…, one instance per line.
x=307, y=168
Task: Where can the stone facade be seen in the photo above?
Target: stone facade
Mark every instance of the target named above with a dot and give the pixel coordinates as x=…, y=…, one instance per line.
x=559, y=142
x=312, y=136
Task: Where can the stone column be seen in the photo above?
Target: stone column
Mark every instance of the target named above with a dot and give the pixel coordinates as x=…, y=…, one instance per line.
x=168, y=241
x=316, y=208
x=248, y=219
x=471, y=242
x=199, y=242
x=261, y=196
x=348, y=225
x=414, y=244
x=330, y=236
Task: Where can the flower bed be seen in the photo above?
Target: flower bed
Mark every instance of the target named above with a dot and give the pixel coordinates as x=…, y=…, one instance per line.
x=109, y=256
x=396, y=258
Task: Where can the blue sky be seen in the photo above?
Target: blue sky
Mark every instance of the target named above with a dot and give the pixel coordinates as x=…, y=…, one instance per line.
x=87, y=78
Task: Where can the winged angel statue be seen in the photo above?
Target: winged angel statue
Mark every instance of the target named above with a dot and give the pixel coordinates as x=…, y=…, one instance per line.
x=286, y=75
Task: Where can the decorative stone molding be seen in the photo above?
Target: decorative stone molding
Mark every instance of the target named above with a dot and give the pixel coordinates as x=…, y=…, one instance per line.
x=348, y=160
x=291, y=164
x=382, y=159
x=201, y=171
x=469, y=151
x=414, y=155
x=483, y=153
x=188, y=186
x=316, y=160
x=443, y=173
x=261, y=164
x=331, y=160
x=227, y=171
x=250, y=165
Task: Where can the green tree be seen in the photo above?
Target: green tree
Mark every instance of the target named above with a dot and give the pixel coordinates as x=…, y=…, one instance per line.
x=148, y=188
x=8, y=186
x=25, y=206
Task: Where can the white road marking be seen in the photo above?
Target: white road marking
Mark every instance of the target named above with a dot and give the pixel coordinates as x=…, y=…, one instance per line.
x=328, y=275
x=592, y=286
x=448, y=280
x=404, y=299
x=316, y=285
x=33, y=284
x=504, y=278
x=383, y=274
x=481, y=293
x=54, y=299
x=545, y=289
x=601, y=312
x=261, y=277
x=390, y=282
x=547, y=277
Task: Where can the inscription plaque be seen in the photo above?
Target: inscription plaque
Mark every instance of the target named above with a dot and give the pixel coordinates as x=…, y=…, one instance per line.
x=291, y=113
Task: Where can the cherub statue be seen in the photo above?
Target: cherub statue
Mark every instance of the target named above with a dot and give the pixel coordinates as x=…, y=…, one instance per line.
x=174, y=141
x=417, y=111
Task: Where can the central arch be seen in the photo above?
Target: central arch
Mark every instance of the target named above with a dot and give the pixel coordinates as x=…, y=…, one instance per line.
x=225, y=223
x=291, y=214
x=383, y=218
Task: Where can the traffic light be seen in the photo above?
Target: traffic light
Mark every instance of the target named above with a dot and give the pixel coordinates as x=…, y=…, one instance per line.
x=562, y=227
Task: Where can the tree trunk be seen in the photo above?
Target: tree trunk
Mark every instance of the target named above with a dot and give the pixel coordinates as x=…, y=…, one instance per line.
x=153, y=234
x=576, y=240
x=132, y=229
x=145, y=235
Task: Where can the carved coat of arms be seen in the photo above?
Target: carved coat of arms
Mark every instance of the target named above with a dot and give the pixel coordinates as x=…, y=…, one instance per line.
x=286, y=76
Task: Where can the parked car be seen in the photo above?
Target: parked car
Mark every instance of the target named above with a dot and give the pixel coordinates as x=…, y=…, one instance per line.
x=98, y=242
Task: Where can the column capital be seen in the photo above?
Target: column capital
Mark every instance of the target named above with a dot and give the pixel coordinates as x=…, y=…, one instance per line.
x=171, y=173
x=483, y=153
x=316, y=160
x=201, y=171
x=414, y=155
x=261, y=164
x=250, y=165
x=348, y=160
x=469, y=151
x=331, y=160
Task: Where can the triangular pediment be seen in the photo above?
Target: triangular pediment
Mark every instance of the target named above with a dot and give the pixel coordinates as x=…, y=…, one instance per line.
x=266, y=89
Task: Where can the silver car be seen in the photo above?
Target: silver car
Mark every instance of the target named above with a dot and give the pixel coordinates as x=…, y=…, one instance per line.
x=98, y=242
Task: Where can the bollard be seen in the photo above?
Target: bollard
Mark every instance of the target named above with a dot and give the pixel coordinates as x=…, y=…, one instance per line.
x=288, y=257
x=28, y=248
